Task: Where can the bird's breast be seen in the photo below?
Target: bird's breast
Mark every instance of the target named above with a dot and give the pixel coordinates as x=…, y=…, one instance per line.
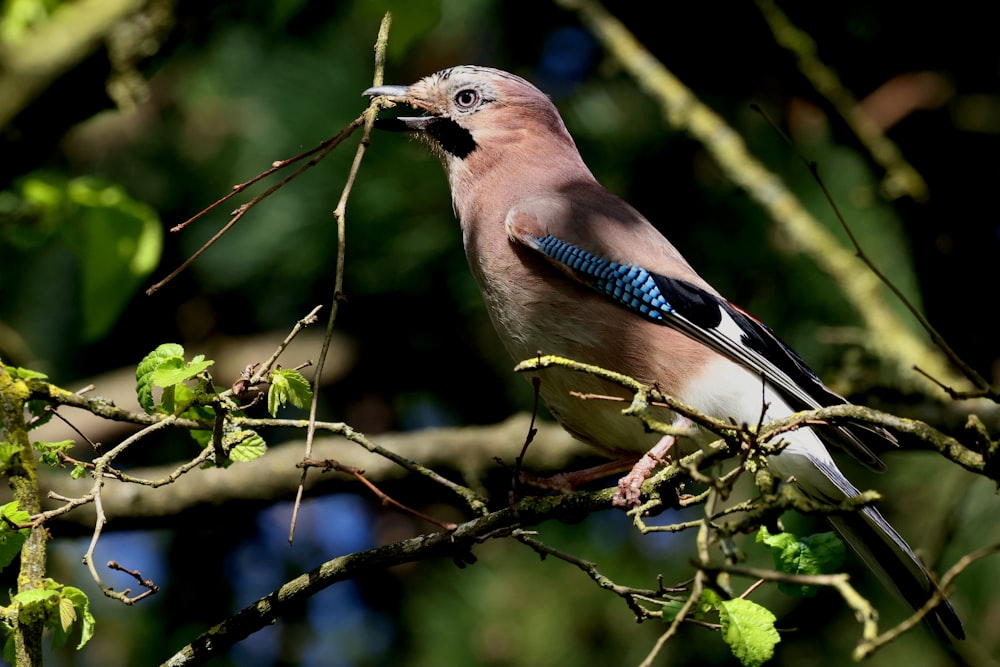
x=537, y=309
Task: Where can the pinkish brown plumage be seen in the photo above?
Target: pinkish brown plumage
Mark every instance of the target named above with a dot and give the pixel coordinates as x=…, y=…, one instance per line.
x=568, y=268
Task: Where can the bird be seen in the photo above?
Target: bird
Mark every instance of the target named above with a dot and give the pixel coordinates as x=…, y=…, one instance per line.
x=568, y=268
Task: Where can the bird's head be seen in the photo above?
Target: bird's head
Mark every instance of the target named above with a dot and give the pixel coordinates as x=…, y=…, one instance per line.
x=471, y=109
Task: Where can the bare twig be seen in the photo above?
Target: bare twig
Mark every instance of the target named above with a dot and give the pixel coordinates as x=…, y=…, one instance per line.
x=630, y=595
x=266, y=367
x=100, y=465
x=338, y=284
x=871, y=644
x=982, y=386
x=359, y=474
x=323, y=149
x=148, y=584
x=696, y=589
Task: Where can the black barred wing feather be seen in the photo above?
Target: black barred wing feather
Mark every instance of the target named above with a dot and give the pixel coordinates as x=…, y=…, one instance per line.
x=718, y=324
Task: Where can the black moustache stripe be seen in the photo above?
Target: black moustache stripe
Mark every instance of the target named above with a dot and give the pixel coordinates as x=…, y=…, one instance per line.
x=451, y=137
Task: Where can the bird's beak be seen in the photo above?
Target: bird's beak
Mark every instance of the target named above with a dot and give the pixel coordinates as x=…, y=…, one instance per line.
x=401, y=95
x=394, y=93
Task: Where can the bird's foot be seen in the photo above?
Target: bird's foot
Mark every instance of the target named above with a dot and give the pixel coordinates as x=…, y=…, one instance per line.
x=629, y=492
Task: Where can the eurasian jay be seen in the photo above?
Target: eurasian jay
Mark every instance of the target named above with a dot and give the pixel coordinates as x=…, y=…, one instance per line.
x=569, y=269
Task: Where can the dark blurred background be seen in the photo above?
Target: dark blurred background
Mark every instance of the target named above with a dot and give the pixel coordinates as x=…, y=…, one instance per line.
x=117, y=147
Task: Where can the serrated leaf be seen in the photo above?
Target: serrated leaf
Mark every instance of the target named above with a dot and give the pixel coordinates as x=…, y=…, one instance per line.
x=299, y=391
x=245, y=446
x=287, y=386
x=749, y=630
x=144, y=372
x=174, y=371
x=50, y=450
x=67, y=613
x=153, y=359
x=34, y=596
x=82, y=605
x=11, y=539
x=822, y=553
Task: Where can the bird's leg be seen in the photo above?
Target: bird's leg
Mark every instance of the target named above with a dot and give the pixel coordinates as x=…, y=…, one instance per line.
x=567, y=482
x=630, y=486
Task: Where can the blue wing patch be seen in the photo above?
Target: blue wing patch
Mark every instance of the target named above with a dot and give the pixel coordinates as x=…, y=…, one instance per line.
x=631, y=286
x=649, y=294
x=713, y=321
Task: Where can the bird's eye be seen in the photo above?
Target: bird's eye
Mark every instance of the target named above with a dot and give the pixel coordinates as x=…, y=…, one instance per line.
x=466, y=99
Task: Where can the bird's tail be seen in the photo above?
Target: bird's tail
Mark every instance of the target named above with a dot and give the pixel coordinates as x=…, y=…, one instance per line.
x=890, y=557
x=865, y=531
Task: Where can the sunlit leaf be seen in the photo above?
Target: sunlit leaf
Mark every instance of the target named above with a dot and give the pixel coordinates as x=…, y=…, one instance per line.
x=81, y=603
x=749, y=630
x=822, y=553
x=249, y=446
x=11, y=540
x=147, y=367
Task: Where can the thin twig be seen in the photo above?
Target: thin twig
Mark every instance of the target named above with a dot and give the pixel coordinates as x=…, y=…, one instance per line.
x=867, y=647
x=938, y=340
x=265, y=367
x=323, y=150
x=696, y=590
x=386, y=499
x=100, y=464
x=368, y=117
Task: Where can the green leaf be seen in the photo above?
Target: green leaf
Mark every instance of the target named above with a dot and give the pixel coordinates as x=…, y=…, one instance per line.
x=749, y=630
x=822, y=553
x=170, y=372
x=50, y=450
x=10, y=455
x=178, y=398
x=287, y=386
x=117, y=241
x=670, y=610
x=11, y=540
x=35, y=596
x=244, y=446
x=144, y=372
x=200, y=412
x=81, y=604
x=67, y=615
x=709, y=602
x=165, y=367
x=19, y=373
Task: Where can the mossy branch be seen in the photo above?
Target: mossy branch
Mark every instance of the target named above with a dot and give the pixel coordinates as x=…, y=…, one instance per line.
x=22, y=475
